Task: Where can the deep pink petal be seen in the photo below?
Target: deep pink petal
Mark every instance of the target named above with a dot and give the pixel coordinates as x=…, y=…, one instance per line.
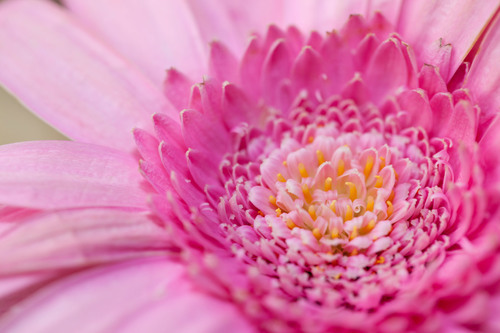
x=484, y=76
x=141, y=296
x=424, y=23
x=78, y=238
x=154, y=35
x=71, y=80
x=61, y=174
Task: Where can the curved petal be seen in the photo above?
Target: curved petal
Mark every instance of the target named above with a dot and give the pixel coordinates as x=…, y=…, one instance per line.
x=429, y=25
x=78, y=238
x=153, y=34
x=71, y=80
x=142, y=296
x=61, y=174
x=484, y=76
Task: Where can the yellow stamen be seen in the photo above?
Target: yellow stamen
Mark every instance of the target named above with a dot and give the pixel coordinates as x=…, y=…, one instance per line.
x=348, y=214
x=340, y=168
x=335, y=233
x=370, y=202
x=278, y=212
x=332, y=206
x=260, y=213
x=369, y=227
x=272, y=200
x=391, y=197
x=382, y=163
x=390, y=208
x=380, y=260
x=290, y=224
x=303, y=171
x=310, y=139
x=354, y=252
x=317, y=234
x=306, y=192
x=354, y=233
x=285, y=163
x=312, y=211
x=379, y=182
x=328, y=183
x=321, y=157
x=353, y=192
x=396, y=175
x=336, y=277
x=369, y=165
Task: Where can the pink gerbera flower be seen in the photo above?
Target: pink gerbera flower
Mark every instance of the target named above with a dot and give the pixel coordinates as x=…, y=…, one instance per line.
x=330, y=173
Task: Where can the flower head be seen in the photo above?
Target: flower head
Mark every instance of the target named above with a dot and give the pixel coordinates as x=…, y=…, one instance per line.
x=312, y=182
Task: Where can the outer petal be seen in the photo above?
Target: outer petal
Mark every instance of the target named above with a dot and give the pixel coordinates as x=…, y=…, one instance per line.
x=141, y=296
x=70, y=79
x=78, y=238
x=424, y=23
x=484, y=76
x=61, y=174
x=153, y=34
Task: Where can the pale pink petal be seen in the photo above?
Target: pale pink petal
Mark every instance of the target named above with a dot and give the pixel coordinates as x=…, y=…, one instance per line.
x=140, y=296
x=424, y=23
x=484, y=76
x=154, y=34
x=61, y=174
x=71, y=80
x=78, y=238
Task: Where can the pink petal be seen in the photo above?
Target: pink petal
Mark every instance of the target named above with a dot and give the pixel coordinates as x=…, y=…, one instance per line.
x=78, y=238
x=140, y=296
x=484, y=75
x=61, y=174
x=70, y=79
x=154, y=35
x=424, y=23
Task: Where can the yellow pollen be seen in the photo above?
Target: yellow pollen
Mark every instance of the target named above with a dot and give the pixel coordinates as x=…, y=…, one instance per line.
x=290, y=224
x=391, y=197
x=390, y=208
x=369, y=227
x=303, y=171
x=312, y=211
x=285, y=163
x=281, y=178
x=321, y=157
x=317, y=234
x=272, y=199
x=336, y=277
x=354, y=233
x=328, y=183
x=332, y=206
x=306, y=192
x=310, y=139
x=340, y=168
x=380, y=260
x=369, y=165
x=354, y=252
x=379, y=182
x=335, y=232
x=382, y=163
x=353, y=193
x=260, y=213
x=370, y=202
x=278, y=212
x=348, y=213
x=396, y=175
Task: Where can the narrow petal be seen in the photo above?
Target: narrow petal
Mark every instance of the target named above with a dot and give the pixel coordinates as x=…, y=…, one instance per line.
x=60, y=174
x=69, y=79
x=77, y=238
x=151, y=296
x=164, y=34
x=428, y=24
x=484, y=76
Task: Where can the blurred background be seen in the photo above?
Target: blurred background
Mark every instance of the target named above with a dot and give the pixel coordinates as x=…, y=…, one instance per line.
x=18, y=124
